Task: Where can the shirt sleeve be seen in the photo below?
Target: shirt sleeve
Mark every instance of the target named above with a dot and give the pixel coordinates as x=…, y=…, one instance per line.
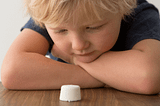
x=145, y=25
x=31, y=25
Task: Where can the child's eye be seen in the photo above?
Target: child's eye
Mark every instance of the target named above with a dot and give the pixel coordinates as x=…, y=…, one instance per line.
x=94, y=28
x=61, y=31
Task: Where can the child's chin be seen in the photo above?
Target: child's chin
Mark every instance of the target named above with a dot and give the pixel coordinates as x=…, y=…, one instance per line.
x=86, y=59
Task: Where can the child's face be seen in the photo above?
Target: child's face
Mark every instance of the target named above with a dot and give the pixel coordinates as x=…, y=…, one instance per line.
x=87, y=40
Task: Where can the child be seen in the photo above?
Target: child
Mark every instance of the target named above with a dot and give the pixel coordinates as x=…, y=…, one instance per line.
x=104, y=42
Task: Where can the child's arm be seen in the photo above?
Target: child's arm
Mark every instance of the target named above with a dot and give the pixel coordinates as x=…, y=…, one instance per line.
x=136, y=70
x=26, y=67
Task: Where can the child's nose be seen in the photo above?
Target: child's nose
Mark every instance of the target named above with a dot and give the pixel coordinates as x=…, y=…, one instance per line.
x=79, y=43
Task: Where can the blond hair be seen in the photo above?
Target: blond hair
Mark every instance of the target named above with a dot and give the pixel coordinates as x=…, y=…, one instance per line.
x=59, y=11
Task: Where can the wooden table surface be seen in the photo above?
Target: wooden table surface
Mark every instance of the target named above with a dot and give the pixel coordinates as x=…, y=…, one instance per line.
x=90, y=97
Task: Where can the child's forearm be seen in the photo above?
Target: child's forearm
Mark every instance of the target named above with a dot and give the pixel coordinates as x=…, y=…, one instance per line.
x=34, y=71
x=129, y=71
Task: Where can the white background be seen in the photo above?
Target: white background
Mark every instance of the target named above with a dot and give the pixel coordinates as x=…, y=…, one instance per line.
x=12, y=18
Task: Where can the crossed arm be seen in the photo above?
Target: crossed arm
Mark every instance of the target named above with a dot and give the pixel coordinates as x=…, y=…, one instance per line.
x=136, y=70
x=26, y=67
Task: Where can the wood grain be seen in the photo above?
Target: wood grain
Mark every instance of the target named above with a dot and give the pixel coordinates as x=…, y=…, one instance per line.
x=90, y=97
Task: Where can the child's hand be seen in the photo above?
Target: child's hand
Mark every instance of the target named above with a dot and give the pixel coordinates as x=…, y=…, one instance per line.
x=60, y=54
x=64, y=56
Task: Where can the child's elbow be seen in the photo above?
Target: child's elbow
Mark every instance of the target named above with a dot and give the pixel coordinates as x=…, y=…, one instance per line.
x=6, y=83
x=149, y=87
x=150, y=83
x=8, y=73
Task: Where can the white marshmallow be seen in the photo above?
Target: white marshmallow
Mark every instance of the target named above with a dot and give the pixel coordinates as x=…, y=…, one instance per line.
x=70, y=93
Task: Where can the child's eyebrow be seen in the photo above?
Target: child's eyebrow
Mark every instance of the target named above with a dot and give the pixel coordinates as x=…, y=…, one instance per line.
x=56, y=28
x=95, y=22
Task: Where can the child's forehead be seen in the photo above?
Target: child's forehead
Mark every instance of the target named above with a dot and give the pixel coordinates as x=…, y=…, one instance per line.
x=79, y=21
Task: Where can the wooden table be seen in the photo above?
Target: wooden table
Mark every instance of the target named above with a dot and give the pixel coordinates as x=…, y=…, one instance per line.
x=90, y=97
